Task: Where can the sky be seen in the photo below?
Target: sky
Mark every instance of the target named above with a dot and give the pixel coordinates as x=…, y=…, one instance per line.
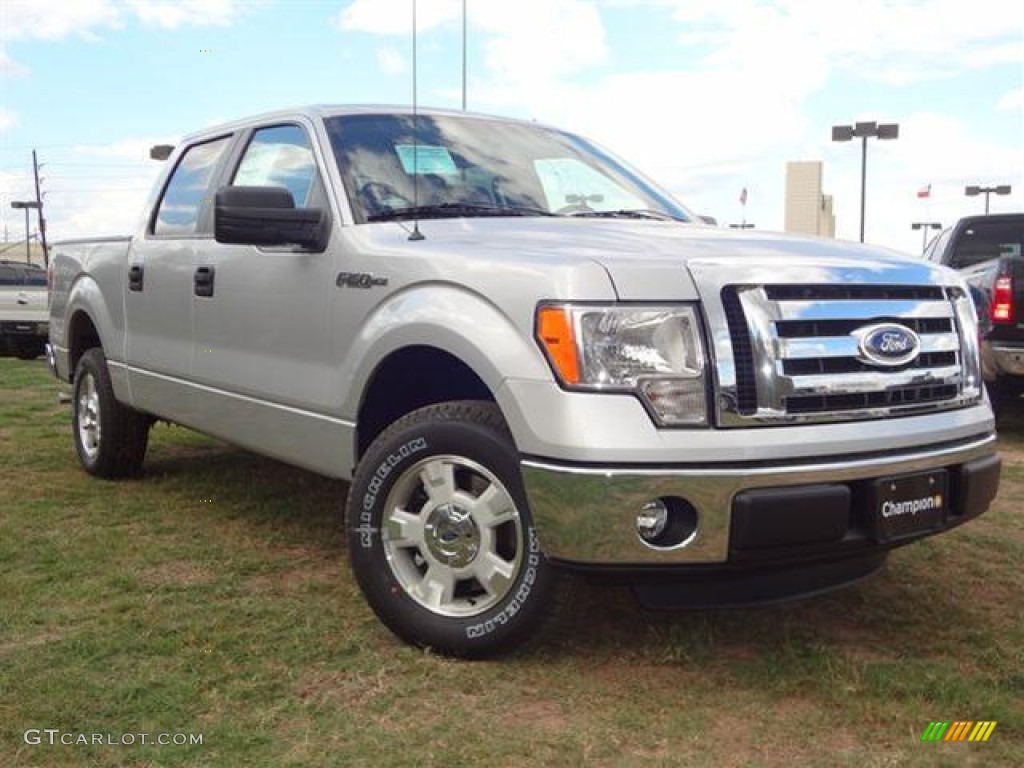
x=706, y=97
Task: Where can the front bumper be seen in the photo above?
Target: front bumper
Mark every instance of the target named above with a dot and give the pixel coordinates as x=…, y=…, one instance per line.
x=585, y=515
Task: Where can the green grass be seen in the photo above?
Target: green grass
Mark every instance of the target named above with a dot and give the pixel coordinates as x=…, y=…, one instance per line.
x=213, y=596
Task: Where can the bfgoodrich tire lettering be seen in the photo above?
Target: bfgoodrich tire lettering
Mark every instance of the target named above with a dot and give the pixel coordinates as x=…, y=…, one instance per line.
x=440, y=536
x=110, y=437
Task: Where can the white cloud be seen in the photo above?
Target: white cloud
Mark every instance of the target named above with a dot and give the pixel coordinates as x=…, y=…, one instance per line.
x=171, y=14
x=31, y=19
x=391, y=61
x=1012, y=101
x=7, y=119
x=394, y=17
x=34, y=20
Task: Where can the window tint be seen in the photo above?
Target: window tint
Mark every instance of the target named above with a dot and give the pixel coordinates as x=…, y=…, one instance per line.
x=35, y=277
x=8, y=275
x=279, y=157
x=986, y=240
x=183, y=198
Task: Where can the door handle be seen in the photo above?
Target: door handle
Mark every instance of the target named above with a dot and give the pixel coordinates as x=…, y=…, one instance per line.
x=203, y=280
x=135, y=277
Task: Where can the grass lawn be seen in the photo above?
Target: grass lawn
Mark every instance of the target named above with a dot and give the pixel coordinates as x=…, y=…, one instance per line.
x=212, y=596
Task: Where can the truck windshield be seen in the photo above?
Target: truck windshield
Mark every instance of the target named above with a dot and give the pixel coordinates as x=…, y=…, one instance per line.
x=479, y=167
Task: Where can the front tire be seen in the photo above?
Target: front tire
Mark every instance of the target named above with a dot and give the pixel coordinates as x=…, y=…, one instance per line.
x=110, y=438
x=440, y=536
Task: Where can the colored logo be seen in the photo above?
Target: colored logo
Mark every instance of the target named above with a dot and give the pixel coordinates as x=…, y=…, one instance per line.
x=961, y=730
x=887, y=344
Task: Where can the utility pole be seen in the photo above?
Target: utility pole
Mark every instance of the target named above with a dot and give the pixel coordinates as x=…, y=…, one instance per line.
x=39, y=212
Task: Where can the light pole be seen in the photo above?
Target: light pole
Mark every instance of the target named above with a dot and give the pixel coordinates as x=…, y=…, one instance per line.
x=924, y=226
x=864, y=131
x=26, y=205
x=974, y=191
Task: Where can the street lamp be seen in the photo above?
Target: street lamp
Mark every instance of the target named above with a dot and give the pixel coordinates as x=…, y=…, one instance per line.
x=974, y=191
x=924, y=226
x=26, y=205
x=864, y=131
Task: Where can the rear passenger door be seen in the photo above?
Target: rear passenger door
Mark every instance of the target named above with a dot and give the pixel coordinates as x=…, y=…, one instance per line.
x=159, y=284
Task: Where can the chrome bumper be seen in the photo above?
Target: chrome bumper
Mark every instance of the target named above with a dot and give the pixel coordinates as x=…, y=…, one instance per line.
x=1000, y=360
x=587, y=515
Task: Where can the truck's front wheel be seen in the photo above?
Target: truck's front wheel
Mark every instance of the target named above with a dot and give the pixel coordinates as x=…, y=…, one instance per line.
x=110, y=437
x=440, y=535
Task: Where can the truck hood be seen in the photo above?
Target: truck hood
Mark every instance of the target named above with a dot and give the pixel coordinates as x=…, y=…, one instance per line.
x=658, y=260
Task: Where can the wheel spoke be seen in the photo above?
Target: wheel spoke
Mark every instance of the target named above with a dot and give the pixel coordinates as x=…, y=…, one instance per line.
x=493, y=573
x=493, y=507
x=404, y=529
x=437, y=588
x=438, y=479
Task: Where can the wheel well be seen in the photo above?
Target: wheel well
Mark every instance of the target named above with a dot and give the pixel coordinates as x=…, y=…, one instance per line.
x=82, y=336
x=412, y=378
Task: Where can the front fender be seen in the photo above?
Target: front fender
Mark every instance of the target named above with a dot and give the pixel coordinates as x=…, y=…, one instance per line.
x=452, y=319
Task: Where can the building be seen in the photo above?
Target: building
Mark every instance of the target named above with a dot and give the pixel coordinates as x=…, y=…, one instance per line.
x=808, y=210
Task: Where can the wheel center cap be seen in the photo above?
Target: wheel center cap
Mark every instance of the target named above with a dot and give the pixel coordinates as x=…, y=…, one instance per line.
x=451, y=535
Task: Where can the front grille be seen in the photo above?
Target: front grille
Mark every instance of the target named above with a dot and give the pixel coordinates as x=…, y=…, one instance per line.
x=795, y=351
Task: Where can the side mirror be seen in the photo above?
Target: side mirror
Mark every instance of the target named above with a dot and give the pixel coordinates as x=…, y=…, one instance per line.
x=267, y=216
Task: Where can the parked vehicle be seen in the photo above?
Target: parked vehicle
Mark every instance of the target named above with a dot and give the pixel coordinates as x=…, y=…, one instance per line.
x=24, y=319
x=528, y=360
x=987, y=251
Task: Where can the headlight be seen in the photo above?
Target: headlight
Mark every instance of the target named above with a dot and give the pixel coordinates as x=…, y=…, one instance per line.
x=653, y=352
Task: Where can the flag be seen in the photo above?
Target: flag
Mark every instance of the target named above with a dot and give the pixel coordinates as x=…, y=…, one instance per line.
x=743, y=196
x=925, y=191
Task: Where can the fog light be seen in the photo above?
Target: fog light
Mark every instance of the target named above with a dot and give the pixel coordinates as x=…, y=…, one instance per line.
x=651, y=521
x=668, y=522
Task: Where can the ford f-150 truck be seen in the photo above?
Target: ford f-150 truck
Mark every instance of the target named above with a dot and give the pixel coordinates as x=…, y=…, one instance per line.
x=24, y=319
x=527, y=359
x=987, y=251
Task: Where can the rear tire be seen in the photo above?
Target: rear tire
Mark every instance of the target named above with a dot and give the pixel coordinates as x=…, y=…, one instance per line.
x=110, y=438
x=440, y=536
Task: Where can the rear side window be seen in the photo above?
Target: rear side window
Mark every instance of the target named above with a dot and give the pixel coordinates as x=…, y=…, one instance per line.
x=185, y=193
x=8, y=275
x=280, y=156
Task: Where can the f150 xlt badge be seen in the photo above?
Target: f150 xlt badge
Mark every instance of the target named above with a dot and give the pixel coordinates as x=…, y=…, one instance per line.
x=887, y=344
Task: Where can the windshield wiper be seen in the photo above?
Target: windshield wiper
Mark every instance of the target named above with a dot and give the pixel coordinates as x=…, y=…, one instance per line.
x=455, y=210
x=628, y=213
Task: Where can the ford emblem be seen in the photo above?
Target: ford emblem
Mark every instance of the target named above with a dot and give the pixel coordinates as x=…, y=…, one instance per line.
x=887, y=344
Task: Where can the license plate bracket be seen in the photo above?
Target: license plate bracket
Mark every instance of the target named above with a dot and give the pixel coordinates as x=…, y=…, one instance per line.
x=909, y=505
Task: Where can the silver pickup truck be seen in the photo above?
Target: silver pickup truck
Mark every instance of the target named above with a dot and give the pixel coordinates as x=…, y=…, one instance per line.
x=528, y=360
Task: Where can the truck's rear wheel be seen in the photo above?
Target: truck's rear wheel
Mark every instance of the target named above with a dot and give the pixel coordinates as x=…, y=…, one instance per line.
x=440, y=535
x=110, y=437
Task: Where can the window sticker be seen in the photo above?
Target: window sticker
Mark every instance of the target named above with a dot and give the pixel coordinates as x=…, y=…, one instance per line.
x=422, y=159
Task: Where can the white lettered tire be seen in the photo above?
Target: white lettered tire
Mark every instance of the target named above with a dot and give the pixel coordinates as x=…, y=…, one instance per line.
x=110, y=437
x=440, y=536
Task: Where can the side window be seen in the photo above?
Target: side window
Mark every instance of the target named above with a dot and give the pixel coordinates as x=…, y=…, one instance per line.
x=280, y=156
x=937, y=247
x=8, y=275
x=183, y=198
x=35, y=277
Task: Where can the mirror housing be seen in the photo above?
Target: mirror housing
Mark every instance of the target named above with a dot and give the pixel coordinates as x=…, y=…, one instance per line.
x=267, y=216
